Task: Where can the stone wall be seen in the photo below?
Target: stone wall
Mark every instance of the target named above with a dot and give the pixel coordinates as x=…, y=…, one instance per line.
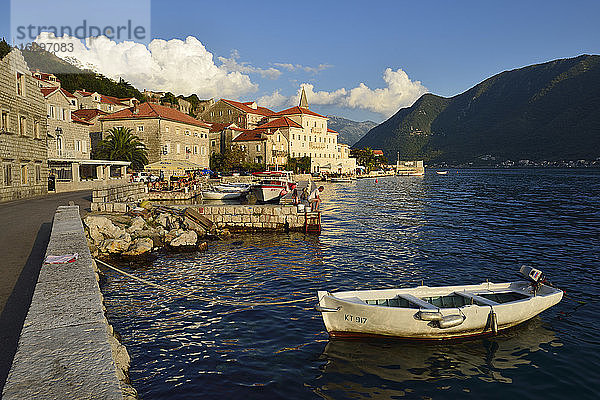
x=67, y=349
x=118, y=198
x=255, y=217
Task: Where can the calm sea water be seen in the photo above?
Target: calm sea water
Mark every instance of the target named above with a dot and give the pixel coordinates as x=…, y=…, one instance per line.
x=464, y=227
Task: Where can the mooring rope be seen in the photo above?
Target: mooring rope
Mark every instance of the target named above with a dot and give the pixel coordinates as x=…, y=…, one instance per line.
x=202, y=298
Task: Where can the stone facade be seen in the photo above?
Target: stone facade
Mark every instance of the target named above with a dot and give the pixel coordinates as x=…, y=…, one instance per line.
x=67, y=139
x=167, y=139
x=23, y=128
x=245, y=115
x=266, y=148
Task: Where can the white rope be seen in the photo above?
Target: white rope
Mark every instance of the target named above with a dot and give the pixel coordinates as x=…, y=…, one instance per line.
x=202, y=298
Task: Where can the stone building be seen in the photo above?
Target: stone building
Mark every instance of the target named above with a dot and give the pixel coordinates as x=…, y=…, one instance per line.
x=245, y=115
x=23, y=155
x=109, y=104
x=68, y=135
x=93, y=117
x=263, y=146
x=312, y=139
x=221, y=136
x=168, y=134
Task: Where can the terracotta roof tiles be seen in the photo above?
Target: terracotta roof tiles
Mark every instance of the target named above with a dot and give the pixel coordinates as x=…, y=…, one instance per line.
x=153, y=110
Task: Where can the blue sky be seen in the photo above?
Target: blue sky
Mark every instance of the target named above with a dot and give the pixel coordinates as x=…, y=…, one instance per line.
x=266, y=49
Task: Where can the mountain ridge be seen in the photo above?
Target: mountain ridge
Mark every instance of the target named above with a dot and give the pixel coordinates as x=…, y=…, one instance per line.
x=542, y=111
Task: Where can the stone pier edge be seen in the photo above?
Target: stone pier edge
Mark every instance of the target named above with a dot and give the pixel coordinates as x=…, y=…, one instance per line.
x=67, y=348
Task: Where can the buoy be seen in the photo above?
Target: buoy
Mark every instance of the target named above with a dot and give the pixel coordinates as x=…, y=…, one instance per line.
x=430, y=315
x=451, y=320
x=376, y=180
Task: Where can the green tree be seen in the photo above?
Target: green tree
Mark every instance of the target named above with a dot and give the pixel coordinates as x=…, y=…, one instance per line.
x=4, y=48
x=230, y=160
x=122, y=145
x=298, y=164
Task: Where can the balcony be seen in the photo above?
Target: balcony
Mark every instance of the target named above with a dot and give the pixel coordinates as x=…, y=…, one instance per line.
x=314, y=129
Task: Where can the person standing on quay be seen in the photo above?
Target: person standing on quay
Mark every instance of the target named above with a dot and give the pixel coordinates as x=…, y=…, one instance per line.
x=315, y=199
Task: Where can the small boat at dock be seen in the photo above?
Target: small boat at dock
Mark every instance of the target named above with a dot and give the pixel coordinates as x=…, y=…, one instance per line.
x=435, y=313
x=272, y=185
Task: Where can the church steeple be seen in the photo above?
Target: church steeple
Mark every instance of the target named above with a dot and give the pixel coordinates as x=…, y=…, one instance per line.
x=303, y=101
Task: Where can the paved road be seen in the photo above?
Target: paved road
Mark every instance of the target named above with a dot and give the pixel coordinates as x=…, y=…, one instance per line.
x=25, y=227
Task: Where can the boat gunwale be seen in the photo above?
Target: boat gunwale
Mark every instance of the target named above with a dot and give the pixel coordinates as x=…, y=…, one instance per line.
x=512, y=287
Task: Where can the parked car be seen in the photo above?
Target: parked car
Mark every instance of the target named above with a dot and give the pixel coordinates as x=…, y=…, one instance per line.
x=144, y=177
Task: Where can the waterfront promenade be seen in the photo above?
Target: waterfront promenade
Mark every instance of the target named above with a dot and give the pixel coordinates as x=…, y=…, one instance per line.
x=25, y=227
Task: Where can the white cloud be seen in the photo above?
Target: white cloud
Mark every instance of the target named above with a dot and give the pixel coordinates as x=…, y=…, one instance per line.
x=399, y=92
x=231, y=64
x=181, y=67
x=274, y=100
x=298, y=67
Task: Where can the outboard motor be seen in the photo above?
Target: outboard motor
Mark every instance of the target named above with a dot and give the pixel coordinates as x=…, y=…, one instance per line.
x=533, y=275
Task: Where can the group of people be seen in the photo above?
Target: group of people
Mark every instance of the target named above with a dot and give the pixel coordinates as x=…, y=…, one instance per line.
x=312, y=199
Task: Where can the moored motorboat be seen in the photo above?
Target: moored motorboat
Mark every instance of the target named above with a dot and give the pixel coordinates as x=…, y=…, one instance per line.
x=441, y=172
x=272, y=185
x=434, y=313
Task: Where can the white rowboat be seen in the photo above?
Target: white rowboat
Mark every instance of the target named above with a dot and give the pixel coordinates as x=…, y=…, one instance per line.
x=434, y=313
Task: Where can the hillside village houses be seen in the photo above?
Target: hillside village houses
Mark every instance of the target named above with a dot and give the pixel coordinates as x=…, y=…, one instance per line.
x=168, y=134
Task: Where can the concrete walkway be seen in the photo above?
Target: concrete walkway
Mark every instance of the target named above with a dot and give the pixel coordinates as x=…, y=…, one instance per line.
x=25, y=227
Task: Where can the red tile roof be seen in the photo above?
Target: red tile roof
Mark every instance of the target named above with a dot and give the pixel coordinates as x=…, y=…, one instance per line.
x=112, y=100
x=153, y=110
x=331, y=131
x=378, y=152
x=68, y=94
x=283, y=122
x=76, y=119
x=48, y=91
x=251, y=135
x=299, y=110
x=84, y=93
x=88, y=114
x=245, y=107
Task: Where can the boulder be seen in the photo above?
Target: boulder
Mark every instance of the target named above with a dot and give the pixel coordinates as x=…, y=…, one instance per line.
x=186, y=240
x=115, y=246
x=139, y=247
x=138, y=224
x=190, y=224
x=169, y=236
x=101, y=228
x=163, y=220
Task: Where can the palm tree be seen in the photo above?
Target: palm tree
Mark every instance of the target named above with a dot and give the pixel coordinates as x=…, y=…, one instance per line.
x=122, y=145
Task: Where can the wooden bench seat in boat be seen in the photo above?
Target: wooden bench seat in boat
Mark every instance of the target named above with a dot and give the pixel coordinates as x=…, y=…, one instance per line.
x=415, y=300
x=480, y=300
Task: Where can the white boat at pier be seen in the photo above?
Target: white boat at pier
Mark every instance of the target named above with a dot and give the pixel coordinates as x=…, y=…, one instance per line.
x=434, y=313
x=272, y=185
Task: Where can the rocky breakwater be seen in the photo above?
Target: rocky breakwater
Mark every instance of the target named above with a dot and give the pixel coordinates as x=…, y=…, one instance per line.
x=136, y=237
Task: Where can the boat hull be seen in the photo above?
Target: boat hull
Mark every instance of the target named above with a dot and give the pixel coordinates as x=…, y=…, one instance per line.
x=353, y=319
x=209, y=195
x=266, y=194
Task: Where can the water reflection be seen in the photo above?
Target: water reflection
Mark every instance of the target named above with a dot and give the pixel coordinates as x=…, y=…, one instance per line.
x=387, y=362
